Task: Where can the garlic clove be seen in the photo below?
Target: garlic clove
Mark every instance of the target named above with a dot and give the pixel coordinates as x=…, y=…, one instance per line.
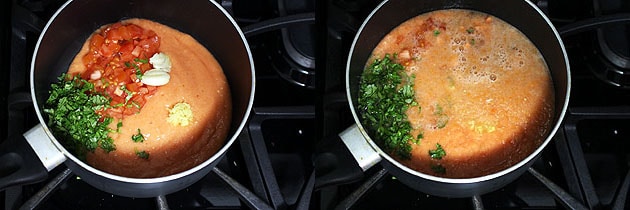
x=160, y=61
x=155, y=77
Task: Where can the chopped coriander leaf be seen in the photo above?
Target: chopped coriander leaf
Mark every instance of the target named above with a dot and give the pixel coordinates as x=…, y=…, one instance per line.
x=72, y=115
x=438, y=169
x=420, y=135
x=437, y=153
x=438, y=110
x=385, y=94
x=141, y=60
x=418, y=138
x=442, y=120
x=436, y=32
x=142, y=154
x=129, y=93
x=472, y=41
x=470, y=30
x=137, y=137
x=118, y=126
x=139, y=74
x=135, y=104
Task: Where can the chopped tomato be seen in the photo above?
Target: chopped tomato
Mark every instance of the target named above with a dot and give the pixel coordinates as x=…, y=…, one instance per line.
x=96, y=41
x=134, y=87
x=121, y=52
x=145, y=67
x=109, y=50
x=135, y=31
x=125, y=51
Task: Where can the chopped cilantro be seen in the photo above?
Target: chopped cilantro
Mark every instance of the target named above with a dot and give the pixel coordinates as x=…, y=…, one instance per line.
x=441, y=121
x=139, y=74
x=436, y=32
x=142, y=154
x=442, y=118
x=438, y=169
x=136, y=67
x=385, y=94
x=137, y=137
x=118, y=126
x=128, y=92
x=72, y=115
x=141, y=60
x=470, y=30
x=437, y=153
x=420, y=135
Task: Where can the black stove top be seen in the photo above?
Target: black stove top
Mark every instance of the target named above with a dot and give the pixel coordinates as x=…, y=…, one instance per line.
x=301, y=100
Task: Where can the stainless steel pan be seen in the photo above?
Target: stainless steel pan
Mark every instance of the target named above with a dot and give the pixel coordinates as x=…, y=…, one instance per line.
x=520, y=13
x=62, y=38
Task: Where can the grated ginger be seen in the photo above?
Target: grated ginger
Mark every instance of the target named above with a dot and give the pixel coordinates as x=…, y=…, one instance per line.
x=180, y=114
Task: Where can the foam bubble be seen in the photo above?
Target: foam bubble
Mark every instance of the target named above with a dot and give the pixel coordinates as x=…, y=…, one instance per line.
x=493, y=77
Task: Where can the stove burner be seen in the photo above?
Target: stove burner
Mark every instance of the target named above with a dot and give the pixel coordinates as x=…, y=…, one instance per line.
x=294, y=55
x=295, y=62
x=611, y=60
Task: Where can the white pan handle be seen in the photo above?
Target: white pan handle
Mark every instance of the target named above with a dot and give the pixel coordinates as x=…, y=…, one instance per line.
x=361, y=150
x=43, y=146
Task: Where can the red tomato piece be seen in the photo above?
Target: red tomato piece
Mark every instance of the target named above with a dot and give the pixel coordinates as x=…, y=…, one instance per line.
x=115, y=51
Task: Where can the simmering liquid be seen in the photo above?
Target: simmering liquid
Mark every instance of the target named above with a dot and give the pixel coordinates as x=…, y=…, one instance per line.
x=484, y=91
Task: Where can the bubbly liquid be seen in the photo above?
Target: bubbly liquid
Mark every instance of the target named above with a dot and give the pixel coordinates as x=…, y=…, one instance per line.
x=484, y=91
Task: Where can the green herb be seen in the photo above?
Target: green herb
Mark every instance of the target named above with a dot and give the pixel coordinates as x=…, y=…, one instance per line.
x=420, y=135
x=137, y=137
x=136, y=67
x=142, y=154
x=139, y=74
x=442, y=121
x=472, y=41
x=118, y=126
x=418, y=138
x=436, y=32
x=385, y=94
x=72, y=115
x=135, y=104
x=438, y=169
x=470, y=30
x=437, y=153
x=442, y=118
x=438, y=110
x=141, y=60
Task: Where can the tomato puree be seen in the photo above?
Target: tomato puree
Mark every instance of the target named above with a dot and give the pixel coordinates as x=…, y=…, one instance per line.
x=484, y=91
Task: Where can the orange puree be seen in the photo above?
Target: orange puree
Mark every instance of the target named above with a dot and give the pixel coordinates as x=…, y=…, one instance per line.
x=485, y=92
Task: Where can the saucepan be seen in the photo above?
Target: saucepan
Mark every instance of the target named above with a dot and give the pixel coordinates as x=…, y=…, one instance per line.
x=61, y=39
x=523, y=15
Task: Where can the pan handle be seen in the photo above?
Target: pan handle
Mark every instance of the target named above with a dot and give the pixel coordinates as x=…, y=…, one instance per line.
x=21, y=164
x=344, y=158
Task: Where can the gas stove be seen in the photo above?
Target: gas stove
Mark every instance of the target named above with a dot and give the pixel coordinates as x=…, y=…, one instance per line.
x=300, y=101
